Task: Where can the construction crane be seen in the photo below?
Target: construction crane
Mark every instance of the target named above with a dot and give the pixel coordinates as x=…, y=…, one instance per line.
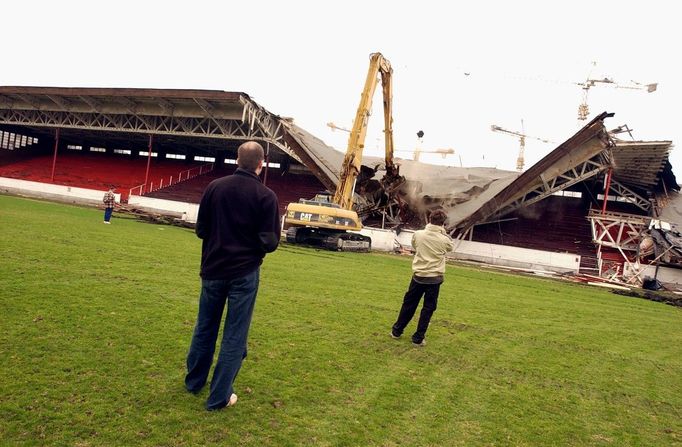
x=335, y=127
x=583, y=108
x=522, y=142
x=443, y=152
x=417, y=151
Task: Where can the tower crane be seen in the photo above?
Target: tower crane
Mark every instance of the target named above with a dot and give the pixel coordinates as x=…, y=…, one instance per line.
x=335, y=127
x=583, y=108
x=522, y=142
x=442, y=151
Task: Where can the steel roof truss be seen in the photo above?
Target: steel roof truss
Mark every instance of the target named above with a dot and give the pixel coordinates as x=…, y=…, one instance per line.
x=182, y=126
x=633, y=197
x=577, y=174
x=92, y=102
x=628, y=232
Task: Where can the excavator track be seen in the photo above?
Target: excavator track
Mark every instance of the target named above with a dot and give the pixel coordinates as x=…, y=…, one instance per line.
x=329, y=240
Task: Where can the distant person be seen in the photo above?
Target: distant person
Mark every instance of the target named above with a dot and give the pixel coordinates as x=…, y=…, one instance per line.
x=109, y=203
x=428, y=267
x=238, y=221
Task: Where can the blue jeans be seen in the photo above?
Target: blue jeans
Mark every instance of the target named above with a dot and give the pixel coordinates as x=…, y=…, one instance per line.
x=240, y=294
x=107, y=214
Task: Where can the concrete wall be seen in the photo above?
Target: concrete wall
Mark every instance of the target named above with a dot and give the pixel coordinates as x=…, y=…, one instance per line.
x=667, y=275
x=61, y=193
x=504, y=255
x=190, y=210
x=501, y=255
x=382, y=240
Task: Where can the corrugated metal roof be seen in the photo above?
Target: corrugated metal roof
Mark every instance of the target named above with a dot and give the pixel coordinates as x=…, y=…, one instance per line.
x=639, y=163
x=149, y=102
x=310, y=149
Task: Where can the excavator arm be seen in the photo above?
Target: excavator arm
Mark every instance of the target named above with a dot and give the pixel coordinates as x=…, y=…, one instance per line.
x=334, y=224
x=356, y=142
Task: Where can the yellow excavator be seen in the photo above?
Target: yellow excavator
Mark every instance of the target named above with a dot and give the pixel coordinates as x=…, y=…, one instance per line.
x=329, y=221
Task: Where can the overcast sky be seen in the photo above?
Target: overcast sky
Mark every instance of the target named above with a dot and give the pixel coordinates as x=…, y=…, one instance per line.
x=457, y=69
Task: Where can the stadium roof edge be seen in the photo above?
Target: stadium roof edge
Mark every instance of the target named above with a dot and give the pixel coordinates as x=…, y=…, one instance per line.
x=124, y=92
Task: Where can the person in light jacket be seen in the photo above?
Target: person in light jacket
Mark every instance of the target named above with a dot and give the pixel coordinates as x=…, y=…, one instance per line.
x=428, y=266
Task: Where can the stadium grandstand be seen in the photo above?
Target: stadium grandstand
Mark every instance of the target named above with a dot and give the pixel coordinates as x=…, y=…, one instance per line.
x=592, y=198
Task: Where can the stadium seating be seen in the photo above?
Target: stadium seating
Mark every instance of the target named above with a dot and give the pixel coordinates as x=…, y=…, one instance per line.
x=99, y=171
x=288, y=187
x=95, y=171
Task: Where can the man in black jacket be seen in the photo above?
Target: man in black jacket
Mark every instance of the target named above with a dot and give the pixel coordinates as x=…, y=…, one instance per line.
x=238, y=222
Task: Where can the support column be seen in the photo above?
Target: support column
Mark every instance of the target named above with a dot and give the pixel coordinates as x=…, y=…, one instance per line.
x=267, y=157
x=54, y=158
x=149, y=160
x=606, y=190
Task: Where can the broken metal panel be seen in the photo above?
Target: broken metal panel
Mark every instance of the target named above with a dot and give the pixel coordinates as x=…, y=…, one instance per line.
x=460, y=191
x=668, y=245
x=671, y=210
x=324, y=161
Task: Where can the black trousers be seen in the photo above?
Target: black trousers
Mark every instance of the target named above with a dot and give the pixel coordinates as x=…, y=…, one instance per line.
x=411, y=302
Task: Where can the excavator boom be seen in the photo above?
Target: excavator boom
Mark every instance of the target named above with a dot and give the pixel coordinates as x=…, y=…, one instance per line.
x=352, y=161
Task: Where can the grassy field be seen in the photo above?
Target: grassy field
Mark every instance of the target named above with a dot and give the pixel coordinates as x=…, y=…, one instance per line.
x=97, y=319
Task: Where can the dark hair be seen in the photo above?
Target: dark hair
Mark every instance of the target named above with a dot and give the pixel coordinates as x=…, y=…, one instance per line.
x=438, y=217
x=249, y=155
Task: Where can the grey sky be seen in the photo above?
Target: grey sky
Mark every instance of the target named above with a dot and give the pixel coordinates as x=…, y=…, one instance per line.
x=308, y=60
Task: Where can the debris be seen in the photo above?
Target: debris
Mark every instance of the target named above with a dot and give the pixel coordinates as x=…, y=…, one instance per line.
x=651, y=284
x=608, y=285
x=669, y=298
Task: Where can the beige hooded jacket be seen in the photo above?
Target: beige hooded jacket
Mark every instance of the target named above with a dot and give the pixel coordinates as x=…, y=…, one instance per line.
x=431, y=245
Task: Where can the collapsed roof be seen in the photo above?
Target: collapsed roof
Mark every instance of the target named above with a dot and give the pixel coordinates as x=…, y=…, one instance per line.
x=477, y=195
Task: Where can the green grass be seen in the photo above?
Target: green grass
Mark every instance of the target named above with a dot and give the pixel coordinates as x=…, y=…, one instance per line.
x=97, y=319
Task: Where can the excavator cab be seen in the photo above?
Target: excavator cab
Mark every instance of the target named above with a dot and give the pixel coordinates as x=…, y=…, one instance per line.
x=321, y=199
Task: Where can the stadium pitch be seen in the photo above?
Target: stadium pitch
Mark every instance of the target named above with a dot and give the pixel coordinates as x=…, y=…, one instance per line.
x=97, y=319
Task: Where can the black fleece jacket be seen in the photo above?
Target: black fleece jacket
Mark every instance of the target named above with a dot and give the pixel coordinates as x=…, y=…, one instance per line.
x=239, y=223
